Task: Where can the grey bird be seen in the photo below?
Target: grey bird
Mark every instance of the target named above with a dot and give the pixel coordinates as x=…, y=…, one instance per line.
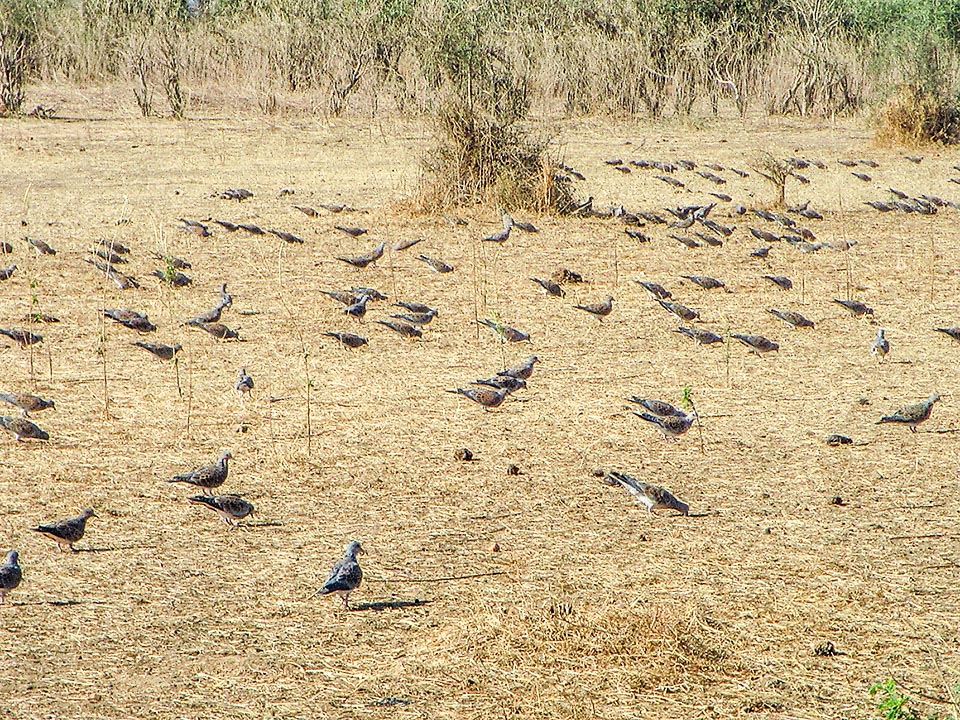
x=230, y=507
x=352, y=231
x=362, y=261
x=226, y=299
x=881, y=346
x=227, y=225
x=672, y=426
x=359, y=308
x=857, y=308
x=506, y=333
x=67, y=532
x=523, y=371
x=681, y=312
x=953, y=332
x=758, y=344
x=7, y=273
x=657, y=407
x=195, y=227
x=499, y=237
x=701, y=336
x=348, y=339
x=550, y=287
x=10, y=575
x=109, y=255
x=23, y=428
x=653, y=497
x=406, y=244
x=218, y=330
x=287, y=237
x=131, y=319
x=598, y=310
x=416, y=307
x=345, y=576
x=164, y=352
x=370, y=292
x=344, y=298
x=761, y=252
x=210, y=316
x=402, y=329
x=208, y=476
x=27, y=403
x=23, y=338
x=655, y=290
x=487, y=397
x=416, y=318
x=912, y=415
x=40, y=246
x=793, y=319
x=503, y=382
x=174, y=279
x=114, y=246
x=704, y=281
x=437, y=266
x=784, y=283
x=244, y=383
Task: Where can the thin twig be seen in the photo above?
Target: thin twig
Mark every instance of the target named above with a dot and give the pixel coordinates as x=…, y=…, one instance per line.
x=440, y=579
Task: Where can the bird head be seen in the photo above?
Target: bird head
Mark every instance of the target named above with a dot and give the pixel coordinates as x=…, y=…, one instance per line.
x=533, y=359
x=88, y=513
x=354, y=548
x=13, y=557
x=226, y=456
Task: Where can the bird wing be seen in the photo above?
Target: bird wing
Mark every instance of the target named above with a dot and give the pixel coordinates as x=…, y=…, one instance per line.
x=344, y=576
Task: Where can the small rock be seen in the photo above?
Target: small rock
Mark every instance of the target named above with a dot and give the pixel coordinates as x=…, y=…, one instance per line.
x=495, y=548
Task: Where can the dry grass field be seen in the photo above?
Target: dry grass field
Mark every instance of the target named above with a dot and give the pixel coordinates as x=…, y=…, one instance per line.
x=585, y=606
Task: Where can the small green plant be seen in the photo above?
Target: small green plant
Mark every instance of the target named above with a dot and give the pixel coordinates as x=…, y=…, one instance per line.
x=893, y=705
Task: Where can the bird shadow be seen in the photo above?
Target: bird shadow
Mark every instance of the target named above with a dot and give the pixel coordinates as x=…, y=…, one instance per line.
x=390, y=605
x=265, y=523
x=102, y=549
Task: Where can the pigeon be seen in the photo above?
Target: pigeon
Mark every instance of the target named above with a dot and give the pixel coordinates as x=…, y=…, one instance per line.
x=416, y=318
x=10, y=575
x=363, y=260
x=437, y=266
x=506, y=333
x=657, y=407
x=345, y=576
x=550, y=287
x=653, y=497
x=793, y=319
x=761, y=252
x=499, y=237
x=656, y=291
x=306, y=210
x=230, y=507
x=244, y=383
x=344, y=298
x=287, y=237
x=336, y=207
x=523, y=371
x=371, y=293
x=252, y=229
x=124, y=282
x=23, y=338
x=912, y=415
x=862, y=176
x=684, y=240
x=164, y=352
x=114, y=246
x=228, y=226
x=195, y=227
x=173, y=261
x=175, y=279
x=563, y=275
x=23, y=428
x=701, y=336
x=682, y=312
x=858, y=309
x=27, y=403
x=489, y=398
x=407, y=331
x=670, y=425
x=763, y=235
x=40, y=246
x=39, y=317
x=525, y=226
x=218, y=330
x=758, y=344
x=704, y=281
x=784, y=283
x=359, y=308
x=226, y=299
x=953, y=332
x=406, y=244
x=348, y=339
x=881, y=346
x=207, y=477
x=210, y=316
x=67, y=532
x=416, y=307
x=351, y=231
x=238, y=194
x=131, y=319
x=503, y=382
x=598, y=310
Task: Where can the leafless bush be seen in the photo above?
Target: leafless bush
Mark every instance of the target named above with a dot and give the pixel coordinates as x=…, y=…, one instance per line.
x=914, y=117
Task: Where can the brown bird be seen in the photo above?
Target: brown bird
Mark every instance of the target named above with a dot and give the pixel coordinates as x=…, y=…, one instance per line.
x=308, y=211
x=416, y=307
x=550, y=287
x=131, y=319
x=506, y=333
x=704, y=281
x=857, y=308
x=912, y=415
x=523, y=371
x=653, y=497
x=416, y=318
x=110, y=256
x=23, y=338
x=672, y=426
x=953, y=332
x=173, y=278
x=406, y=244
x=348, y=339
x=784, y=283
x=230, y=507
x=407, y=331
x=598, y=310
x=681, y=312
x=488, y=397
x=363, y=260
x=287, y=237
x=114, y=246
x=228, y=226
x=701, y=336
x=23, y=428
x=39, y=317
x=67, y=532
x=793, y=319
x=195, y=227
x=657, y=407
x=655, y=290
x=208, y=476
x=252, y=229
x=757, y=343
x=27, y=403
x=164, y=352
x=218, y=330
x=436, y=265
x=40, y=246
x=351, y=231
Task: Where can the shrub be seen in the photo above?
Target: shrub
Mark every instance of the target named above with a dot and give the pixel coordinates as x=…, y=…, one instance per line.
x=914, y=116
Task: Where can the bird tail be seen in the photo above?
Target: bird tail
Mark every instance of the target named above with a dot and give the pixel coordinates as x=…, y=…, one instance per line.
x=648, y=417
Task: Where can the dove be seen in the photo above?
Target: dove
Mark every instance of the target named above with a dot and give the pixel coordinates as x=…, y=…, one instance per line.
x=173, y=261
x=230, y=507
x=105, y=253
x=598, y=310
x=131, y=319
x=489, y=398
x=655, y=290
x=195, y=227
x=67, y=532
x=416, y=307
x=336, y=207
x=39, y=317
x=437, y=266
x=762, y=252
x=763, y=235
x=701, y=336
x=114, y=246
x=345, y=576
x=953, y=332
x=525, y=226
x=406, y=244
x=784, y=283
x=793, y=319
x=503, y=382
x=653, y=497
x=226, y=299
x=881, y=346
x=252, y=229
x=228, y=226
x=407, y=331
x=758, y=344
x=351, y=231
x=306, y=210
x=704, y=281
x=344, y=298
x=244, y=383
x=499, y=237
x=124, y=282
x=10, y=575
x=671, y=426
x=523, y=371
x=348, y=339
x=218, y=330
x=506, y=333
x=27, y=403
x=416, y=318
x=238, y=194
x=210, y=316
x=912, y=415
x=175, y=279
x=164, y=352
x=359, y=308
x=681, y=312
x=208, y=476
x=363, y=260
x=549, y=287
x=287, y=237
x=23, y=428
x=371, y=293
x=657, y=407
x=857, y=308
x=40, y=246
x=23, y=338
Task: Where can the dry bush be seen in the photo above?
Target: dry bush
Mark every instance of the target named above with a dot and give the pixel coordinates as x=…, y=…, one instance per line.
x=915, y=117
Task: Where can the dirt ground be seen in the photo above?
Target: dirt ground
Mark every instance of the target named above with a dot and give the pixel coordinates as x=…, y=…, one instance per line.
x=581, y=605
